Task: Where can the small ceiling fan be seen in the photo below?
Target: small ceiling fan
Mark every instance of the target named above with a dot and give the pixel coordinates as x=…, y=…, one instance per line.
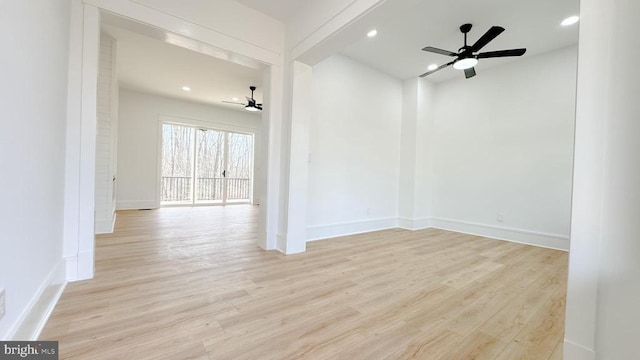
x=251, y=104
x=467, y=57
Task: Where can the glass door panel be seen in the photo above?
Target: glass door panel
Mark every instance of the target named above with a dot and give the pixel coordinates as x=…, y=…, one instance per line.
x=239, y=167
x=209, y=177
x=177, y=164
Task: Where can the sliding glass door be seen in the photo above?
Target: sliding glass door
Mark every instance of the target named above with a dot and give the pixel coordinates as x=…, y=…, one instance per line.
x=205, y=166
x=239, y=167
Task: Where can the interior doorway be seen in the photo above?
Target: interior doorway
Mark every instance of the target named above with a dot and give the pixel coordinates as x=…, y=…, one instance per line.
x=205, y=166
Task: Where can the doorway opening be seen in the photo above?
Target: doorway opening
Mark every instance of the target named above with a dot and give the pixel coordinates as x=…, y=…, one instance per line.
x=205, y=166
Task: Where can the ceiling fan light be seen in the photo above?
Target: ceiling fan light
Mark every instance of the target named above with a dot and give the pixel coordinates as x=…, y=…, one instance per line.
x=251, y=108
x=464, y=64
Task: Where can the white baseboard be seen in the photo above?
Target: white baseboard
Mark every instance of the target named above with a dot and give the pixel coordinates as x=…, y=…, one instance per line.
x=34, y=317
x=573, y=351
x=552, y=241
x=289, y=246
x=71, y=264
x=414, y=224
x=85, y=265
x=281, y=243
x=80, y=267
x=105, y=226
x=350, y=228
x=136, y=205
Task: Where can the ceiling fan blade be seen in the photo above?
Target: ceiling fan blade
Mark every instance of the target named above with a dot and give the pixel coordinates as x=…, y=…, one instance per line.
x=469, y=73
x=233, y=102
x=501, y=53
x=439, y=51
x=487, y=37
x=259, y=106
x=436, y=69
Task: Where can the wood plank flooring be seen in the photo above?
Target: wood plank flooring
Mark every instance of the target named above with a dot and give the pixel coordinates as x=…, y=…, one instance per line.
x=190, y=283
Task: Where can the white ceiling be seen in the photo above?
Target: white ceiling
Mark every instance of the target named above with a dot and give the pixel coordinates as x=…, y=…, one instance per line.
x=396, y=50
x=153, y=66
x=404, y=28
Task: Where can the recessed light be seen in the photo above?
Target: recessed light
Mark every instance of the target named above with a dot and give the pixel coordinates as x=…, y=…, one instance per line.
x=372, y=33
x=432, y=67
x=186, y=88
x=235, y=99
x=570, y=20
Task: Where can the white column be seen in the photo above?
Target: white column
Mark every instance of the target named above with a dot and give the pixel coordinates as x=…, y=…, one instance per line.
x=271, y=147
x=81, y=142
x=301, y=106
x=406, y=195
x=603, y=291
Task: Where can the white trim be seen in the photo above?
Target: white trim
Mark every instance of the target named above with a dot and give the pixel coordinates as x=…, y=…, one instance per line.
x=103, y=226
x=355, y=227
x=106, y=226
x=288, y=247
x=80, y=154
x=30, y=323
x=137, y=205
x=86, y=264
x=573, y=351
x=414, y=224
x=71, y=264
x=552, y=241
x=281, y=243
x=350, y=14
x=218, y=43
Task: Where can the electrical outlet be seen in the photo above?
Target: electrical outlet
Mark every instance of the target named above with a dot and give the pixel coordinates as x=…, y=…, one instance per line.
x=499, y=218
x=2, y=303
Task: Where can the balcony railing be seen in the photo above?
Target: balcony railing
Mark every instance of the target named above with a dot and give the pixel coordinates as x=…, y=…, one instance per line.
x=175, y=188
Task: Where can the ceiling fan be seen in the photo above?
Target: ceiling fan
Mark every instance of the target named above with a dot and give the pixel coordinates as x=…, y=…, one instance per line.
x=467, y=57
x=251, y=104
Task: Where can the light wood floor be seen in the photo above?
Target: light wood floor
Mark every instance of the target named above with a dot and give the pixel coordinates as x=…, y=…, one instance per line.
x=190, y=283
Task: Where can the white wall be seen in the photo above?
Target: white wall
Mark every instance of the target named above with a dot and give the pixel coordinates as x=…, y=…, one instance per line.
x=106, y=136
x=138, y=136
x=35, y=35
x=354, y=149
x=603, y=290
x=503, y=147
